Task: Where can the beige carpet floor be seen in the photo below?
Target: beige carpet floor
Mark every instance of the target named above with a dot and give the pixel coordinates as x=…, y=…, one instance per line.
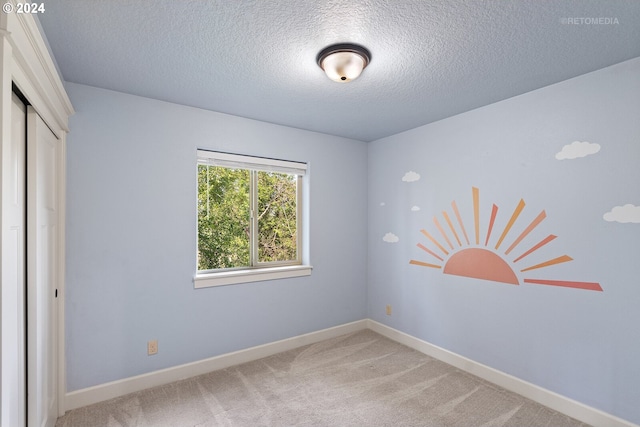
x=359, y=379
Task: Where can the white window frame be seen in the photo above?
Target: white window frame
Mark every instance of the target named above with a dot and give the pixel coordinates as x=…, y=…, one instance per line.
x=258, y=271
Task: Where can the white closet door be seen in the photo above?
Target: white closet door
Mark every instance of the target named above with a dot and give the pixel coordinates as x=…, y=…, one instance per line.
x=13, y=271
x=42, y=252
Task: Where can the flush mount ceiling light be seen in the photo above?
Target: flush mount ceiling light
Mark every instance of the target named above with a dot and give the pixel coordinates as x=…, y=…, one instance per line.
x=343, y=62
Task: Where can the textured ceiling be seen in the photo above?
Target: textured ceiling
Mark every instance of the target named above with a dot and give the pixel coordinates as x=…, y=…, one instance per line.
x=256, y=59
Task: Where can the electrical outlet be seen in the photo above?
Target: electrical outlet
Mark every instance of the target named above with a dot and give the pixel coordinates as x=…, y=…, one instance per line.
x=152, y=347
x=388, y=310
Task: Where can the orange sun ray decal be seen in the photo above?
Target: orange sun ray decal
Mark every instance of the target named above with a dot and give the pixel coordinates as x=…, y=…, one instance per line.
x=455, y=210
x=429, y=251
x=476, y=212
x=453, y=230
x=485, y=264
x=514, y=217
x=494, y=212
x=549, y=238
x=435, y=221
x=424, y=264
x=526, y=231
x=563, y=258
x=435, y=242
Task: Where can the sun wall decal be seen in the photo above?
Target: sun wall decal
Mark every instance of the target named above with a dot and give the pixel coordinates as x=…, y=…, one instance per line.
x=480, y=263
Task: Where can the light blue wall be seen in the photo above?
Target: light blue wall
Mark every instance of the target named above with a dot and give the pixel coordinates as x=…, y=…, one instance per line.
x=131, y=237
x=131, y=232
x=582, y=344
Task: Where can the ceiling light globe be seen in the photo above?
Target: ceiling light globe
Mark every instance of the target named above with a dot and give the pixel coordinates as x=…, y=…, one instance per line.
x=343, y=62
x=342, y=67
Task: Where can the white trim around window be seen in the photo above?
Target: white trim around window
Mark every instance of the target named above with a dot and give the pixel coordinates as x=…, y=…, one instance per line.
x=233, y=277
x=257, y=271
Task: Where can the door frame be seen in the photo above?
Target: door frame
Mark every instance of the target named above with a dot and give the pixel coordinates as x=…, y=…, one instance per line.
x=26, y=62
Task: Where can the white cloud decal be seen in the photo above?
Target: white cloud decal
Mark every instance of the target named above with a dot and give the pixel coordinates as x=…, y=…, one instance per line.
x=415, y=209
x=411, y=176
x=624, y=214
x=577, y=149
x=390, y=238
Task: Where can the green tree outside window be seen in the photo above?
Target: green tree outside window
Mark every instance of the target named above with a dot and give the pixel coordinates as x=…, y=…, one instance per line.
x=226, y=227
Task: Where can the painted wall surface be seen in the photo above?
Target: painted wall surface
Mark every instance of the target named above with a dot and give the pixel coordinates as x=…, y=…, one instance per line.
x=580, y=343
x=131, y=238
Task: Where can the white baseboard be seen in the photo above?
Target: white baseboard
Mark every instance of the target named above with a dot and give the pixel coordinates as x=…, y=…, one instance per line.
x=557, y=402
x=99, y=393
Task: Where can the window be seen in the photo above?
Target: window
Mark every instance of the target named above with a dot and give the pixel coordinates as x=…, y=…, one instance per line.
x=249, y=219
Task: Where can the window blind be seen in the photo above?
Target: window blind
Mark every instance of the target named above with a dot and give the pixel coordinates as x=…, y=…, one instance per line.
x=216, y=158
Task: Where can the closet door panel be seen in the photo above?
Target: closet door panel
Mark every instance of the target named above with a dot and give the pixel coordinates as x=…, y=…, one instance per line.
x=42, y=262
